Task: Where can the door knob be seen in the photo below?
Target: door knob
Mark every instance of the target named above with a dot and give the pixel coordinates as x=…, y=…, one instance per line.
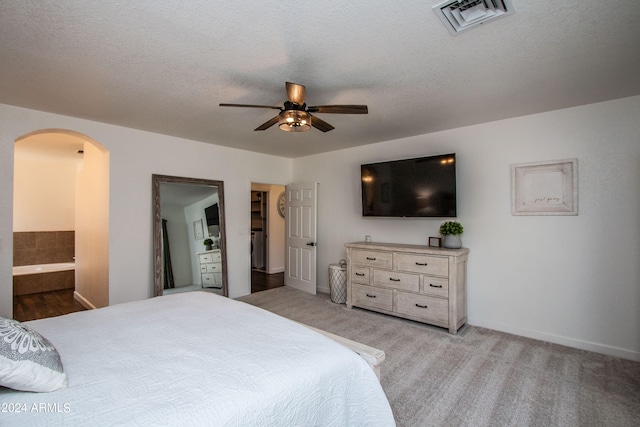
x=312, y=244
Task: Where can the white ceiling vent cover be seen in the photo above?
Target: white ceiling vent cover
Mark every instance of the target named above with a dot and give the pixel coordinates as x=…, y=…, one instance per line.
x=462, y=15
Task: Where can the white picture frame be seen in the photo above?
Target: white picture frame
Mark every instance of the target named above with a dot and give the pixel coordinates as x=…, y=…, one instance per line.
x=198, y=230
x=545, y=188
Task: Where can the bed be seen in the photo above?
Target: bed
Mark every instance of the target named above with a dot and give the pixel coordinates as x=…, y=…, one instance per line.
x=197, y=359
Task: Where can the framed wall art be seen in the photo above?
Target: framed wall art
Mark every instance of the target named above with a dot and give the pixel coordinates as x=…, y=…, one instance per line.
x=436, y=242
x=545, y=188
x=198, y=229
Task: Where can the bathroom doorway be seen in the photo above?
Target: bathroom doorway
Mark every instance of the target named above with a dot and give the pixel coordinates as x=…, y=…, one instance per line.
x=61, y=212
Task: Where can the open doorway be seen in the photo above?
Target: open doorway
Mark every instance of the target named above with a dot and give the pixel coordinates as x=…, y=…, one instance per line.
x=61, y=212
x=267, y=237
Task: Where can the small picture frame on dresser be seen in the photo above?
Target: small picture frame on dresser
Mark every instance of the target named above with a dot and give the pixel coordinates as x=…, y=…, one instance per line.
x=435, y=242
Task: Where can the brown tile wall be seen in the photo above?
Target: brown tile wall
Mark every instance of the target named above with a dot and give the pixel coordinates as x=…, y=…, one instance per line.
x=43, y=247
x=35, y=283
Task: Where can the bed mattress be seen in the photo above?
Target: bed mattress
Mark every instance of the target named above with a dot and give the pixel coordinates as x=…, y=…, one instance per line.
x=198, y=359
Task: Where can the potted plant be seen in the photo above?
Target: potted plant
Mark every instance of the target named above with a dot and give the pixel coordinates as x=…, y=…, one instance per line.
x=451, y=231
x=207, y=244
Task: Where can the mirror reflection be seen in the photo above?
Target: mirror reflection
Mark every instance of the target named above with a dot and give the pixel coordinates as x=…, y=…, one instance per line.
x=189, y=238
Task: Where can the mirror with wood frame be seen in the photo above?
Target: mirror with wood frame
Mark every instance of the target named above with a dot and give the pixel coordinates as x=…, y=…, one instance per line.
x=189, y=235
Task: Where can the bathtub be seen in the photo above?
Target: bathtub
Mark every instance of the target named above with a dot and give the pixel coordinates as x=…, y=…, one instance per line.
x=23, y=270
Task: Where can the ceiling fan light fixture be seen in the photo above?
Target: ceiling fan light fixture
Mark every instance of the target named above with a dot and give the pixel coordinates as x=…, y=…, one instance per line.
x=294, y=121
x=296, y=117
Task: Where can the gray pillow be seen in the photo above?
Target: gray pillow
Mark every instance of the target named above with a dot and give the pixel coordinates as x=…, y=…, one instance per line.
x=28, y=361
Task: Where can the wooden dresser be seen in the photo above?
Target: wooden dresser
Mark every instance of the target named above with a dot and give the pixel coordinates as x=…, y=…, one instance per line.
x=415, y=282
x=211, y=268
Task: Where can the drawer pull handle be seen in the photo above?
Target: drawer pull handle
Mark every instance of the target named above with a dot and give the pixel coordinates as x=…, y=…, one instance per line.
x=435, y=286
x=423, y=264
x=360, y=274
x=421, y=306
x=371, y=296
x=371, y=259
x=394, y=280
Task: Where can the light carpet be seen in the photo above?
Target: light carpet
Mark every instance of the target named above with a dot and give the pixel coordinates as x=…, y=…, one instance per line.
x=478, y=377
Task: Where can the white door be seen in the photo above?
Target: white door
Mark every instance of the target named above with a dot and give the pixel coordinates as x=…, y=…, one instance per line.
x=300, y=244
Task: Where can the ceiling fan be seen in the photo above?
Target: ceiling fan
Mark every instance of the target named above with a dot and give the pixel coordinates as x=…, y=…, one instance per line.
x=295, y=115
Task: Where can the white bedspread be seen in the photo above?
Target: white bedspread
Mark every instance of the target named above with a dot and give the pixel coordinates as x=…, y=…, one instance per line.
x=198, y=359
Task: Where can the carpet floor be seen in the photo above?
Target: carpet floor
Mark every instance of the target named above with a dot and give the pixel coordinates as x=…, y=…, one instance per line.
x=478, y=377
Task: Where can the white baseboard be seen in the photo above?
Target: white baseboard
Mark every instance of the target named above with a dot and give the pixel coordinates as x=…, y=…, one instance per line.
x=276, y=270
x=82, y=300
x=557, y=339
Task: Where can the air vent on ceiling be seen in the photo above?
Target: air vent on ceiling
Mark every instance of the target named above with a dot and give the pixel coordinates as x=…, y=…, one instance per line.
x=462, y=15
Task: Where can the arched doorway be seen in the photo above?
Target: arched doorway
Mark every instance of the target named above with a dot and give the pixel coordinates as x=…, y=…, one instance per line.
x=61, y=184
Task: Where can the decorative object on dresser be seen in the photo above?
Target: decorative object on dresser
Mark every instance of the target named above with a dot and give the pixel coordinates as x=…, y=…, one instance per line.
x=415, y=282
x=451, y=231
x=211, y=268
x=208, y=244
x=435, y=242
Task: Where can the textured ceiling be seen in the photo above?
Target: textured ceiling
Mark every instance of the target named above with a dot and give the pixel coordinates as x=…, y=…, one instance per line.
x=184, y=194
x=165, y=65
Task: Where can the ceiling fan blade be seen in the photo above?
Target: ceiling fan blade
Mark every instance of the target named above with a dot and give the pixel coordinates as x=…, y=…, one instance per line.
x=320, y=124
x=339, y=109
x=295, y=93
x=267, y=125
x=250, y=106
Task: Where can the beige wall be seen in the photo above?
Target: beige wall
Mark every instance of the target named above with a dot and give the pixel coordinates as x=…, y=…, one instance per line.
x=92, y=227
x=44, y=192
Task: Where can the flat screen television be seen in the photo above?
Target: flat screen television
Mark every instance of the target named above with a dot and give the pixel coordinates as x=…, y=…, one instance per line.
x=420, y=187
x=213, y=219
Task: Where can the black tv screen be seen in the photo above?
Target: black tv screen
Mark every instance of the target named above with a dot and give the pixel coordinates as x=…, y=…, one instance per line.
x=421, y=187
x=212, y=215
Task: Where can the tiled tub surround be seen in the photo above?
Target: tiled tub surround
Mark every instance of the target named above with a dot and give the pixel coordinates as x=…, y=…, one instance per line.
x=44, y=282
x=43, y=247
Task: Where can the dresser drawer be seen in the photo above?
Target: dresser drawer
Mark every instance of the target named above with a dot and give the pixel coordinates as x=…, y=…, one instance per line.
x=210, y=257
x=429, y=309
x=360, y=275
x=211, y=280
x=438, y=266
x=396, y=280
x=426, y=264
x=368, y=296
x=205, y=258
x=214, y=268
x=373, y=259
x=438, y=286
